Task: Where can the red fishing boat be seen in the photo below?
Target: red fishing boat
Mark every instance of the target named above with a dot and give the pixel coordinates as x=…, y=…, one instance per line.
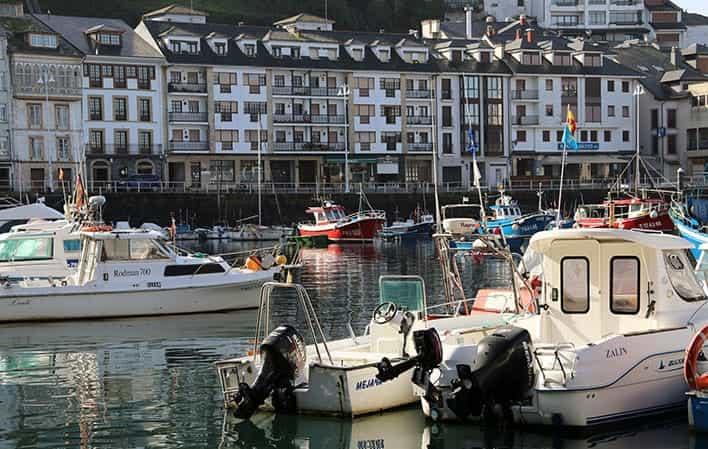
x=630, y=213
x=332, y=220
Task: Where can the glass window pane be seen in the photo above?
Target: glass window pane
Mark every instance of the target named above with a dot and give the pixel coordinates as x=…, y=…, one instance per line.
x=73, y=245
x=575, y=285
x=624, y=285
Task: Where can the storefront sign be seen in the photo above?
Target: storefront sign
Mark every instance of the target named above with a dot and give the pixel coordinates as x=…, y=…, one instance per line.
x=584, y=146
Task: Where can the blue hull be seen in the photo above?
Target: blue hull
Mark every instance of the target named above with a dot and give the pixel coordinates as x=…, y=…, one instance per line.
x=522, y=227
x=413, y=231
x=697, y=238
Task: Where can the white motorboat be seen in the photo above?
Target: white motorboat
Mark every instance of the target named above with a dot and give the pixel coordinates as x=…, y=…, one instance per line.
x=24, y=213
x=614, y=311
x=255, y=232
x=134, y=273
x=336, y=377
x=462, y=220
x=40, y=249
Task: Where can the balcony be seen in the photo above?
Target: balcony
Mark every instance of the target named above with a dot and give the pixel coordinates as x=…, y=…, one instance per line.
x=593, y=100
x=597, y=2
x=566, y=3
x=188, y=146
x=187, y=88
x=52, y=91
x=420, y=147
x=309, y=119
x=625, y=2
x=524, y=120
x=419, y=120
x=419, y=93
x=187, y=116
x=530, y=94
x=306, y=91
x=123, y=150
x=308, y=146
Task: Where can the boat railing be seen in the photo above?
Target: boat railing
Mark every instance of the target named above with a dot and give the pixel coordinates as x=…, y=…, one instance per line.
x=373, y=213
x=562, y=355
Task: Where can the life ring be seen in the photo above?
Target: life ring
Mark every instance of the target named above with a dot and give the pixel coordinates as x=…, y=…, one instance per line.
x=98, y=228
x=690, y=369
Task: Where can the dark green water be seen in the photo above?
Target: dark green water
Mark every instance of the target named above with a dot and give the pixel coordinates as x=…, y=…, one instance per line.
x=149, y=382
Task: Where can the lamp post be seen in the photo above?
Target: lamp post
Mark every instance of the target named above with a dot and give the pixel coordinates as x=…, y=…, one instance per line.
x=46, y=78
x=344, y=93
x=637, y=92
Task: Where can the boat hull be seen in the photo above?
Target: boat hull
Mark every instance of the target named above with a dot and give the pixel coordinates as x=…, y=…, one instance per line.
x=127, y=303
x=694, y=236
x=362, y=230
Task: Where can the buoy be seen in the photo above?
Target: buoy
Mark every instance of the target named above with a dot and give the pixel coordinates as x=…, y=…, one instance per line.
x=281, y=260
x=690, y=363
x=253, y=263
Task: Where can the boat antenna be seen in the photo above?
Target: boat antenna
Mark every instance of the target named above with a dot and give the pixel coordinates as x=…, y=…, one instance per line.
x=259, y=169
x=435, y=158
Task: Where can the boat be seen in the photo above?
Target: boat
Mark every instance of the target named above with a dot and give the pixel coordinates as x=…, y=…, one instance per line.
x=331, y=220
x=15, y=213
x=604, y=343
x=506, y=219
x=629, y=213
x=696, y=377
x=135, y=273
x=689, y=216
x=255, y=232
x=214, y=233
x=420, y=224
x=336, y=378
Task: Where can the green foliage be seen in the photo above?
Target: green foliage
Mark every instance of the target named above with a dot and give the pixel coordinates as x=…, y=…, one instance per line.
x=372, y=15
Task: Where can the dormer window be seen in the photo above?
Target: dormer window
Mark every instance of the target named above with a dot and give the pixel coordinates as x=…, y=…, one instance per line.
x=561, y=59
x=185, y=47
x=43, y=40
x=109, y=39
x=358, y=54
x=249, y=49
x=277, y=51
x=384, y=54
x=531, y=58
x=220, y=48
x=485, y=57
x=295, y=52
x=591, y=60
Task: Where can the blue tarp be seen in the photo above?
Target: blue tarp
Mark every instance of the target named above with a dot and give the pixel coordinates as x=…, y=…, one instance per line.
x=699, y=209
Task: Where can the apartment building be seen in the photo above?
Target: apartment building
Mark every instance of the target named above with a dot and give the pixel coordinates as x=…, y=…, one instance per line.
x=6, y=174
x=121, y=85
x=318, y=101
x=45, y=107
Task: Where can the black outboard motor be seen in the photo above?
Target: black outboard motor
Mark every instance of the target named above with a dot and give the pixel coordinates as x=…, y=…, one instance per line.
x=283, y=356
x=501, y=374
x=429, y=355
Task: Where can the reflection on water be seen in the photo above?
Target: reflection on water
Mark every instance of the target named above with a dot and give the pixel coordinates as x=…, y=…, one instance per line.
x=149, y=382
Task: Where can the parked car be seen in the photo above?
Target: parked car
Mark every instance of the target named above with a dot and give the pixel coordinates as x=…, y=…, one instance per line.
x=141, y=182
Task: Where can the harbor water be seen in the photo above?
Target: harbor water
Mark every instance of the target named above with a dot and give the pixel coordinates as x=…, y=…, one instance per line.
x=150, y=382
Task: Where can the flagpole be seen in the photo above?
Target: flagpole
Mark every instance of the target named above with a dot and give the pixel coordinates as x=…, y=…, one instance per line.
x=560, y=190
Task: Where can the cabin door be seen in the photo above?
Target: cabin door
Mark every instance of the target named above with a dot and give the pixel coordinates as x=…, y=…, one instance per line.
x=572, y=292
x=623, y=287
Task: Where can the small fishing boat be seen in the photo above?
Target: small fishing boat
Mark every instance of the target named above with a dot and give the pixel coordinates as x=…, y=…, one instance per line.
x=134, y=273
x=689, y=215
x=420, y=224
x=604, y=341
x=214, y=233
x=629, y=213
x=332, y=221
x=506, y=219
x=249, y=232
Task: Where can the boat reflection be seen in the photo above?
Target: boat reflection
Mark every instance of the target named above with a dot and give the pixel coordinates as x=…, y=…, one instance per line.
x=407, y=429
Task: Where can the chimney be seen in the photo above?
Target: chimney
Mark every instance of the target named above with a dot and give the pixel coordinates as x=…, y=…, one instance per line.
x=529, y=35
x=675, y=57
x=468, y=22
x=490, y=30
x=522, y=19
x=518, y=33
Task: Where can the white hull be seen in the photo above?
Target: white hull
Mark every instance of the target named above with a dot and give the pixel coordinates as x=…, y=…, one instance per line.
x=259, y=234
x=76, y=303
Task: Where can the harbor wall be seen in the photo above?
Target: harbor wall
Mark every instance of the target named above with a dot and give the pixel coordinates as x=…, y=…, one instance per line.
x=201, y=209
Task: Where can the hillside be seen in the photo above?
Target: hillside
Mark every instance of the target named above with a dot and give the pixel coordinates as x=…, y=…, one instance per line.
x=391, y=15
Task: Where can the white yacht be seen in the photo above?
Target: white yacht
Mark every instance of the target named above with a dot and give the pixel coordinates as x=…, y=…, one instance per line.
x=604, y=340
x=134, y=273
x=24, y=213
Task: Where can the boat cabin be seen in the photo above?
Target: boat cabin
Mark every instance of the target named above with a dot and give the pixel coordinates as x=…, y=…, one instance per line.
x=328, y=213
x=473, y=211
x=600, y=282
x=40, y=249
x=505, y=212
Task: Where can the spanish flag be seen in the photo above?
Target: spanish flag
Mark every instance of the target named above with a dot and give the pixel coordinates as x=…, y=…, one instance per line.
x=569, y=131
x=570, y=120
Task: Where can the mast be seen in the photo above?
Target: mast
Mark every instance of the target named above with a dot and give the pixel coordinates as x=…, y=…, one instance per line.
x=259, y=170
x=434, y=105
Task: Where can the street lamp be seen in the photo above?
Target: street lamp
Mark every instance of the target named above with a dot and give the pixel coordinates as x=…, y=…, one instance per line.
x=638, y=90
x=344, y=92
x=46, y=78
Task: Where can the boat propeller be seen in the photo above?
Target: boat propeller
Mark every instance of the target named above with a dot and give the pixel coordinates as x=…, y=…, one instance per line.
x=283, y=361
x=429, y=355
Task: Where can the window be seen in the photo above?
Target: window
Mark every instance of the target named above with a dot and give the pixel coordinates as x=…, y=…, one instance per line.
x=95, y=108
x=145, y=142
x=34, y=115
x=549, y=85
x=144, y=75
x=593, y=136
x=546, y=136
x=575, y=285
x=559, y=136
x=624, y=285
x=625, y=136
x=593, y=113
x=109, y=39
x=471, y=86
x=447, y=143
x=43, y=40
x=446, y=85
x=119, y=77
x=250, y=49
x=625, y=86
x=61, y=111
x=447, y=116
x=671, y=118
x=63, y=148
x=654, y=118
x=549, y=110
x=120, y=109
x=608, y=136
x=220, y=48
x=610, y=86
x=96, y=140
x=610, y=110
x=531, y=58
x=72, y=245
x=120, y=141
x=95, y=77
x=521, y=136
x=494, y=87
x=596, y=17
x=583, y=136
x=679, y=265
x=144, y=109
x=592, y=60
x=671, y=144
x=654, y=145
x=625, y=111
x=36, y=248
x=562, y=59
x=3, y=112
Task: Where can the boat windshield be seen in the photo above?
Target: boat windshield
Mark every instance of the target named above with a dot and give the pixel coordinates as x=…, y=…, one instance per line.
x=679, y=266
x=408, y=293
x=138, y=249
x=35, y=248
x=462, y=212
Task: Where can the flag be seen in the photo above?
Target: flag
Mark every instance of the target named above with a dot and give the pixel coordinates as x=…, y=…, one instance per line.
x=471, y=146
x=61, y=174
x=569, y=130
x=80, y=193
x=477, y=176
x=173, y=229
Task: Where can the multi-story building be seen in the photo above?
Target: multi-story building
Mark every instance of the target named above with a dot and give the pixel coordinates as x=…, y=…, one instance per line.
x=46, y=104
x=121, y=81
x=6, y=173
x=318, y=101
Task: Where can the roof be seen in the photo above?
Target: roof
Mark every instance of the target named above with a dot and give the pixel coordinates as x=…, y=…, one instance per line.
x=18, y=27
x=694, y=19
x=666, y=5
x=675, y=76
x=74, y=30
x=608, y=68
x=175, y=9
x=29, y=212
x=542, y=241
x=582, y=45
x=695, y=49
x=303, y=17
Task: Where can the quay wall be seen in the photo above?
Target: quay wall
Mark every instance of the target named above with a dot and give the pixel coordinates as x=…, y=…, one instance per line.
x=202, y=209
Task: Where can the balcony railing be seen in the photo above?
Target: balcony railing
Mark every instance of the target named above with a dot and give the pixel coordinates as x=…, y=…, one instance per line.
x=597, y=2
x=524, y=120
x=308, y=118
x=53, y=90
x=306, y=91
x=123, y=150
x=530, y=94
x=188, y=146
x=626, y=22
x=569, y=96
x=566, y=3
x=624, y=3
x=308, y=146
x=419, y=93
x=420, y=147
x=593, y=100
x=191, y=88
x=419, y=120
x=188, y=116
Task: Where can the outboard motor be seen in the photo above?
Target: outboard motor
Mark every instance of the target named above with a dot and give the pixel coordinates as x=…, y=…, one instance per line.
x=501, y=374
x=429, y=355
x=283, y=356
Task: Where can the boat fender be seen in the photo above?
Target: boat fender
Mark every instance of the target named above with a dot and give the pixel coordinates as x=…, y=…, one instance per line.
x=694, y=350
x=281, y=260
x=253, y=263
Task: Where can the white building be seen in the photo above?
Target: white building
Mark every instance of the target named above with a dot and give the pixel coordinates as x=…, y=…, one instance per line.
x=122, y=112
